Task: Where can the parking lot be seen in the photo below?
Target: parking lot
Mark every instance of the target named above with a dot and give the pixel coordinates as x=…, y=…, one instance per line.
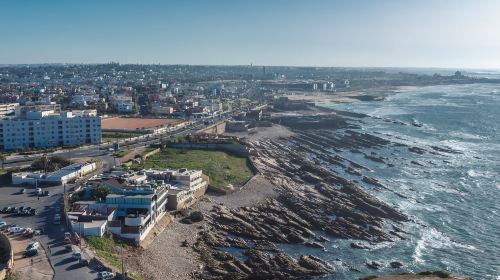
x=52, y=235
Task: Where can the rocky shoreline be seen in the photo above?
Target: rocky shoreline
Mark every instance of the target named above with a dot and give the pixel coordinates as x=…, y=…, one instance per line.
x=302, y=197
x=312, y=204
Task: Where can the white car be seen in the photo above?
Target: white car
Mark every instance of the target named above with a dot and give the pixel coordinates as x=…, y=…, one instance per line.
x=15, y=229
x=105, y=275
x=3, y=224
x=38, y=191
x=33, y=245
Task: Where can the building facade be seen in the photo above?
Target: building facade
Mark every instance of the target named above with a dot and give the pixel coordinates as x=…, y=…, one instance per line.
x=43, y=129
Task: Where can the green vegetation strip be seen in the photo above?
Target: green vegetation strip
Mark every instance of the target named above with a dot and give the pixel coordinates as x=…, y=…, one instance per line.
x=111, y=136
x=107, y=249
x=222, y=168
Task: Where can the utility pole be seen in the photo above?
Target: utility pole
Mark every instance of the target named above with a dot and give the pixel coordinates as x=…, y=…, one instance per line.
x=65, y=202
x=123, y=265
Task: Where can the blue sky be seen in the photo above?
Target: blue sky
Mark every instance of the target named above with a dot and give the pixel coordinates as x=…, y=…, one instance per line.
x=392, y=33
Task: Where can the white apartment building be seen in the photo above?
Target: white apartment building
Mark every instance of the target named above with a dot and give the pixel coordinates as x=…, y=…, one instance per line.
x=162, y=110
x=39, y=106
x=9, y=109
x=40, y=129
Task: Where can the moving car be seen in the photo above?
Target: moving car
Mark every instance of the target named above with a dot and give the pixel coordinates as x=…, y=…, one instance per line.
x=105, y=275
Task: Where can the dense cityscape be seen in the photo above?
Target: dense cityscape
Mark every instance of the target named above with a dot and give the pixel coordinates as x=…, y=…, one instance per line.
x=249, y=140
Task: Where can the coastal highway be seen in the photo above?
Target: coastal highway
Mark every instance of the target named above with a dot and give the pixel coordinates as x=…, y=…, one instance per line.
x=102, y=151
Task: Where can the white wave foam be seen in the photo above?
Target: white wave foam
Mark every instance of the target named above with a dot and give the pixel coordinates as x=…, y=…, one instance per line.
x=433, y=239
x=472, y=173
x=465, y=135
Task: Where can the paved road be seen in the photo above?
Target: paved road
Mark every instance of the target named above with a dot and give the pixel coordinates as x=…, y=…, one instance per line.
x=101, y=150
x=64, y=266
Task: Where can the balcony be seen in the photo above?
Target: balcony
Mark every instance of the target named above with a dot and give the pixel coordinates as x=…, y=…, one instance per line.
x=136, y=220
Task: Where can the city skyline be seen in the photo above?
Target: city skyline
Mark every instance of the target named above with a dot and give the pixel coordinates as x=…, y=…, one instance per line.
x=289, y=33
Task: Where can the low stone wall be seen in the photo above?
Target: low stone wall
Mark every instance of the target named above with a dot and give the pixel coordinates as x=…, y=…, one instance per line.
x=153, y=152
x=218, y=128
x=7, y=257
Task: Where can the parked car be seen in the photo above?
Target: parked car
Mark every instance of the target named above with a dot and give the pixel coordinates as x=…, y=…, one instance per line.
x=30, y=253
x=3, y=225
x=68, y=247
x=28, y=233
x=33, y=212
x=76, y=255
x=33, y=245
x=15, y=230
x=13, y=210
x=105, y=275
x=84, y=262
x=5, y=210
x=38, y=191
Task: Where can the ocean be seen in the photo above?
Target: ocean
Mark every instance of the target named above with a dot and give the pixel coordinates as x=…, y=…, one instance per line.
x=452, y=198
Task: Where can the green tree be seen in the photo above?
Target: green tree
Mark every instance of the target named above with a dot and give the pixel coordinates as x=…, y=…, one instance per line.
x=100, y=193
x=3, y=157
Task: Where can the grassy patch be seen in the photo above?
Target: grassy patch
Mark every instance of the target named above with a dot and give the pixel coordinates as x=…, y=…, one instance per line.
x=108, y=250
x=222, y=168
x=112, y=136
x=105, y=249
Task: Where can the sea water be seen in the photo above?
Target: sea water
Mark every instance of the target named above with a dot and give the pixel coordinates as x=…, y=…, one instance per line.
x=453, y=199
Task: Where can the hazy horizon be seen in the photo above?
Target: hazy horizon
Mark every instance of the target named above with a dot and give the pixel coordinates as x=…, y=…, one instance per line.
x=351, y=34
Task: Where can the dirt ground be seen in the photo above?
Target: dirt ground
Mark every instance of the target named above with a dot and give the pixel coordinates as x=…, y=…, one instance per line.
x=259, y=133
x=166, y=258
x=136, y=123
x=35, y=268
